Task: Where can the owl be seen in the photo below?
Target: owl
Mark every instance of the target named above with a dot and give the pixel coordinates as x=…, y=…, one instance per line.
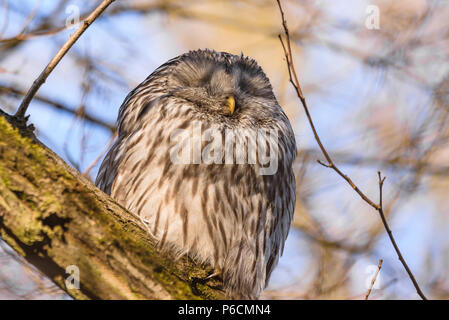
x=204, y=158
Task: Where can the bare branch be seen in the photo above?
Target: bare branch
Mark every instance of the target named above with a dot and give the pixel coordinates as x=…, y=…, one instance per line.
x=95, y=162
x=374, y=279
x=59, y=55
x=54, y=217
x=391, y=162
x=80, y=112
x=330, y=164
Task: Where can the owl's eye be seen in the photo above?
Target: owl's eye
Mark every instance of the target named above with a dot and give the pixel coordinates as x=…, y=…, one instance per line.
x=255, y=86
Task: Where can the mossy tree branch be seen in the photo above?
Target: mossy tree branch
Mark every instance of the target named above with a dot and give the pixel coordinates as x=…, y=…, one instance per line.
x=54, y=218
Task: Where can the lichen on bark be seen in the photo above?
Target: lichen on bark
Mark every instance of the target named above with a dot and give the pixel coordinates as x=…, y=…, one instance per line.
x=55, y=218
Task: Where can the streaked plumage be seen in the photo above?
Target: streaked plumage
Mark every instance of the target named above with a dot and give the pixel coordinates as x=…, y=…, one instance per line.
x=227, y=215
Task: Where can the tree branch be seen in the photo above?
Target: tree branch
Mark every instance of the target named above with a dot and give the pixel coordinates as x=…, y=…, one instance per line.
x=55, y=218
x=59, y=55
x=295, y=83
x=62, y=107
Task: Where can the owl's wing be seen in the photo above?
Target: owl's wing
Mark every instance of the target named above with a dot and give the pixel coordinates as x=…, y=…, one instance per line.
x=144, y=97
x=137, y=104
x=108, y=170
x=286, y=192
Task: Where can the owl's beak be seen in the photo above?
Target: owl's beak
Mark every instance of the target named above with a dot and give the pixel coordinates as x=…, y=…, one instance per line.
x=230, y=103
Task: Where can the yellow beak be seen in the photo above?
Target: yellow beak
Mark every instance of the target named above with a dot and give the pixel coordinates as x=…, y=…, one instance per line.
x=230, y=103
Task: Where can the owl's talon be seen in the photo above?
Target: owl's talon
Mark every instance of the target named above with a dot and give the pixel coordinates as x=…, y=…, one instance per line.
x=214, y=274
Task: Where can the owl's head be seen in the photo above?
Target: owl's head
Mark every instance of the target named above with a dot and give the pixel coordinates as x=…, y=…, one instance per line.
x=227, y=87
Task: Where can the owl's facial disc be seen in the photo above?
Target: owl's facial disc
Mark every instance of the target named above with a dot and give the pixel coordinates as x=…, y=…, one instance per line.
x=223, y=87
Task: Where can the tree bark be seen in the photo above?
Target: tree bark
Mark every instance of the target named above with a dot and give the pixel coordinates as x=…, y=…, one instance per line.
x=55, y=218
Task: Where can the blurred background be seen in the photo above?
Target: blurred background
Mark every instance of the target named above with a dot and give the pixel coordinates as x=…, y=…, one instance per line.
x=376, y=78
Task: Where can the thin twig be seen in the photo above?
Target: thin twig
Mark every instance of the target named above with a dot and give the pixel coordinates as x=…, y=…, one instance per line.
x=80, y=112
x=5, y=19
x=378, y=207
x=30, y=17
x=374, y=279
x=59, y=55
x=95, y=162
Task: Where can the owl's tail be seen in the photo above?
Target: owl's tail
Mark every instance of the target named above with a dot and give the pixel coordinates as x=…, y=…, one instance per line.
x=244, y=272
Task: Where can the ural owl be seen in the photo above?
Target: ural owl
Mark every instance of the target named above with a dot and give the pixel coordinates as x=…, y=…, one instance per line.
x=228, y=209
